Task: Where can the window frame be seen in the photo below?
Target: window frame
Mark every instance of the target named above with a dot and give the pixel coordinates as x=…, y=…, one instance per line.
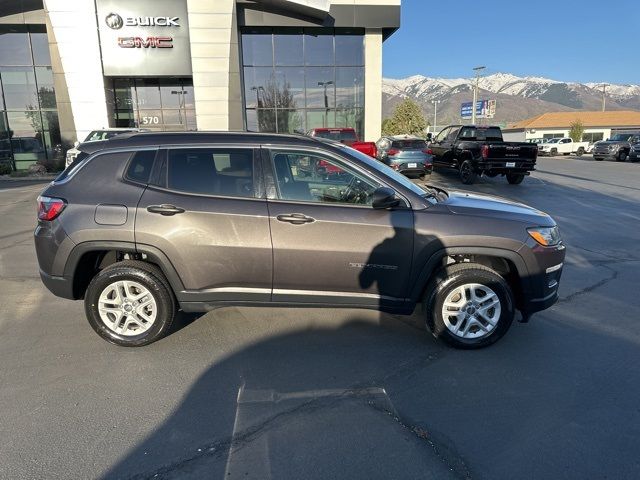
x=273, y=191
x=160, y=179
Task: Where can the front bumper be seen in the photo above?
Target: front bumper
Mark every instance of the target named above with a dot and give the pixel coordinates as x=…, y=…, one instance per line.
x=544, y=265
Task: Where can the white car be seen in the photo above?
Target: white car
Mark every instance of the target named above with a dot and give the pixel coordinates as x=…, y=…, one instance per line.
x=95, y=136
x=562, y=146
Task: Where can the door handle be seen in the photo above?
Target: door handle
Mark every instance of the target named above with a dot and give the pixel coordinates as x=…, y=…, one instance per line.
x=295, y=218
x=165, y=209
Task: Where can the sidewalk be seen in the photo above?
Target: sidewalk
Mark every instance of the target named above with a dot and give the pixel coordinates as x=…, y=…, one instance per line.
x=35, y=178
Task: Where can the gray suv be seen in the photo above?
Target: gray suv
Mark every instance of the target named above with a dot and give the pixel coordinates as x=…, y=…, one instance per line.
x=616, y=148
x=144, y=224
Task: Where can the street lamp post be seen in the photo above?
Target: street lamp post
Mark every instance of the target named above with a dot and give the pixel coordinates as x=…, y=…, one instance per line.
x=435, y=114
x=475, y=94
x=326, y=101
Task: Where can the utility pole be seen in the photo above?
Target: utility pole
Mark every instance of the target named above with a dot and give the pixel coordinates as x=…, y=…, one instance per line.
x=435, y=114
x=475, y=94
x=604, y=98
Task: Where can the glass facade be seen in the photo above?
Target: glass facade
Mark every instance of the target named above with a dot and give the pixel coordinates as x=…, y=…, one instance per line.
x=299, y=79
x=156, y=104
x=29, y=129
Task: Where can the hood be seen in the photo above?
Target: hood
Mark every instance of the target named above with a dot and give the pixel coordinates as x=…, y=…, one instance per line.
x=474, y=204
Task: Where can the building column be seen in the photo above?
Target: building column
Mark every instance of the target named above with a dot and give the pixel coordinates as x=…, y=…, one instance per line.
x=372, y=84
x=215, y=59
x=77, y=68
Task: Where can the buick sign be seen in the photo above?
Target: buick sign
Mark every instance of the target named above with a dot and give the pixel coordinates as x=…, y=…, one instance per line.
x=113, y=20
x=144, y=37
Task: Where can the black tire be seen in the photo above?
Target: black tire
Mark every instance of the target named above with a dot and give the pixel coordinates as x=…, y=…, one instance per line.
x=455, y=276
x=150, y=277
x=580, y=152
x=622, y=156
x=467, y=174
x=515, y=178
x=553, y=152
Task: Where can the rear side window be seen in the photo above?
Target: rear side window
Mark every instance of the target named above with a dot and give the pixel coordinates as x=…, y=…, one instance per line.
x=409, y=144
x=140, y=166
x=211, y=171
x=472, y=133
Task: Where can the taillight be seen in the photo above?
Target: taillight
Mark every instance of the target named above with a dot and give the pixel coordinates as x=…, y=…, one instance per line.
x=428, y=151
x=49, y=208
x=393, y=151
x=485, y=151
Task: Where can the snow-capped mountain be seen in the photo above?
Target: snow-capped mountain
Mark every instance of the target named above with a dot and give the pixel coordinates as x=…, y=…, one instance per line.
x=518, y=97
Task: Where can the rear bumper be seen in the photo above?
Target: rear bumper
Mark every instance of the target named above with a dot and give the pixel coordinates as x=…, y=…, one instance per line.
x=501, y=166
x=59, y=286
x=425, y=170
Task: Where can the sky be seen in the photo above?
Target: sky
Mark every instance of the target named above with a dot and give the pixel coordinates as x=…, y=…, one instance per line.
x=566, y=40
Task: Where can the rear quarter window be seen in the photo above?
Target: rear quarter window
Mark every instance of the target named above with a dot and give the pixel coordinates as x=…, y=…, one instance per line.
x=140, y=167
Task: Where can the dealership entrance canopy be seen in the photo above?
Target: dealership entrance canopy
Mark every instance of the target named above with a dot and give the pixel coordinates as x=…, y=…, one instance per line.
x=69, y=67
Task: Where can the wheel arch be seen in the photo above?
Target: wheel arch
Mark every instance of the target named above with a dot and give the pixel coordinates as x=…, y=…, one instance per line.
x=87, y=258
x=507, y=263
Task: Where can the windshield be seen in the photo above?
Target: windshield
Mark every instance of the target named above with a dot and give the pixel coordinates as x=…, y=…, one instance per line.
x=621, y=137
x=103, y=135
x=387, y=171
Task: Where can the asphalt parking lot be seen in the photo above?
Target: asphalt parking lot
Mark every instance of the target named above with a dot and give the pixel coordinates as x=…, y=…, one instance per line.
x=308, y=393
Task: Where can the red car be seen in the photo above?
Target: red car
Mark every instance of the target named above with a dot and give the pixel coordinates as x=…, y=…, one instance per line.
x=347, y=136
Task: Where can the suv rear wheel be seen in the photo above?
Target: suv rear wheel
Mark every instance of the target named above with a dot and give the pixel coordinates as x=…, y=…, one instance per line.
x=130, y=303
x=469, y=306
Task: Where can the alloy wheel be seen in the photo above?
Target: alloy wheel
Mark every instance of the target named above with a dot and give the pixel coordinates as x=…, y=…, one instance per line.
x=127, y=308
x=471, y=311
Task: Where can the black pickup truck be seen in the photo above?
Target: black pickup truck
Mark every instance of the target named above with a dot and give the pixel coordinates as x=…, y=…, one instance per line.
x=479, y=150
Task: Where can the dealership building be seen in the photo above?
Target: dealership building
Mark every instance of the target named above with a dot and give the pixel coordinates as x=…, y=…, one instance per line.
x=597, y=125
x=68, y=67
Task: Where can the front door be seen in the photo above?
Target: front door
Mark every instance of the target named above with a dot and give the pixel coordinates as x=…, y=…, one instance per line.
x=209, y=216
x=329, y=244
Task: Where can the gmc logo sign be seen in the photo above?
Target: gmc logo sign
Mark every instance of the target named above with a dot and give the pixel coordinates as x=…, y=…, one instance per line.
x=148, y=42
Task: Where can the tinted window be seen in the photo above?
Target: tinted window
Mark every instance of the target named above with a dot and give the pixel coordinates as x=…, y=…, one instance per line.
x=308, y=177
x=346, y=136
x=409, y=144
x=481, y=134
x=453, y=133
x=140, y=167
x=227, y=172
x=442, y=135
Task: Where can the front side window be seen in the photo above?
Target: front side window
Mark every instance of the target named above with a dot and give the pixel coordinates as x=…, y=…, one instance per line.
x=453, y=134
x=211, y=171
x=310, y=177
x=442, y=135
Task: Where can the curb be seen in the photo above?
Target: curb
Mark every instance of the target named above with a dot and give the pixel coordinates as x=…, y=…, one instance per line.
x=42, y=178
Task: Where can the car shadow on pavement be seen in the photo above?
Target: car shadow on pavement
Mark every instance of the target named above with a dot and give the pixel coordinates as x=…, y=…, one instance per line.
x=307, y=404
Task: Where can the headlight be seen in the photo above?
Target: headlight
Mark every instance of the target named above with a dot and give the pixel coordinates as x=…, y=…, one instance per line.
x=546, y=236
x=613, y=147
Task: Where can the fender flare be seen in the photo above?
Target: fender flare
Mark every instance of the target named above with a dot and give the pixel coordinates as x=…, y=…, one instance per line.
x=430, y=266
x=154, y=255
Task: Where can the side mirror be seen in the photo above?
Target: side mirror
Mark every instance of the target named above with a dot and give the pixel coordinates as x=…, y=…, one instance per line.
x=76, y=144
x=429, y=137
x=385, y=197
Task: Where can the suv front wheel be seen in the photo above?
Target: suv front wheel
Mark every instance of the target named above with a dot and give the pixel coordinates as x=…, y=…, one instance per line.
x=469, y=306
x=130, y=303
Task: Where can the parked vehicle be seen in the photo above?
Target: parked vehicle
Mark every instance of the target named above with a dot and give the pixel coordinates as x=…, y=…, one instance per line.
x=634, y=151
x=145, y=223
x=347, y=136
x=562, y=146
x=535, y=140
x=479, y=150
x=406, y=154
x=616, y=148
x=96, y=135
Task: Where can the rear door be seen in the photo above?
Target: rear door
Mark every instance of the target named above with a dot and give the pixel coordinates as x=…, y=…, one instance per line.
x=208, y=214
x=329, y=244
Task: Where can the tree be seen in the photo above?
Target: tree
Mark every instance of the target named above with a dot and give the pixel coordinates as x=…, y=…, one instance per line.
x=407, y=118
x=576, y=131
